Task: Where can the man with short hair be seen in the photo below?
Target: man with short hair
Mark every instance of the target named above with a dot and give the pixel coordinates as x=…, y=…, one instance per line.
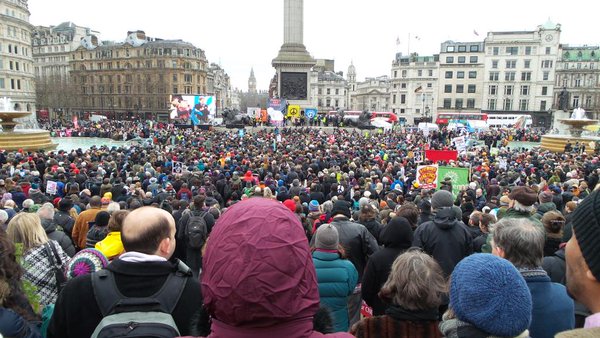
x=583, y=261
x=148, y=236
x=522, y=243
x=193, y=255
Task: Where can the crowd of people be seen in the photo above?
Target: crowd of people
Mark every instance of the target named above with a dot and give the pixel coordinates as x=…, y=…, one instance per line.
x=296, y=231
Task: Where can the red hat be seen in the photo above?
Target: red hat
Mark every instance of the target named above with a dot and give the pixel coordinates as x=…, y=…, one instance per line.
x=290, y=204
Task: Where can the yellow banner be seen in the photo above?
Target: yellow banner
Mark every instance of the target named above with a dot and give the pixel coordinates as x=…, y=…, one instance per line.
x=293, y=111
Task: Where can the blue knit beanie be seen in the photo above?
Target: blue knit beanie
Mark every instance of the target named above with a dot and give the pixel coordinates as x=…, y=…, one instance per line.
x=313, y=206
x=489, y=293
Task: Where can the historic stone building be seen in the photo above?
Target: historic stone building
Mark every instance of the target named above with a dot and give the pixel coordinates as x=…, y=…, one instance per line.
x=16, y=61
x=520, y=72
x=460, y=77
x=52, y=48
x=134, y=79
x=578, y=72
x=219, y=86
x=373, y=94
x=329, y=90
x=414, y=87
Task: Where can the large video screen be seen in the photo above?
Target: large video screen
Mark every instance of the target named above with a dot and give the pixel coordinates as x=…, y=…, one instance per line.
x=194, y=109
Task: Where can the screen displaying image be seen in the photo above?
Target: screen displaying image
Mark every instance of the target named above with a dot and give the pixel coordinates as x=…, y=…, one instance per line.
x=194, y=109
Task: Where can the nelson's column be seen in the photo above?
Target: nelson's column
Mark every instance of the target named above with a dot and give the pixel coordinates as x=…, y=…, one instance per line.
x=293, y=63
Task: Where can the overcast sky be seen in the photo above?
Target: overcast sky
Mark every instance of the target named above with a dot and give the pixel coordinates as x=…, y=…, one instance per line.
x=240, y=34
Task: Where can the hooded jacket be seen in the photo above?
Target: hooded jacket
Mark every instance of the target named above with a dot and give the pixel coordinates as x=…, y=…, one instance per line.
x=63, y=240
x=258, y=276
x=445, y=238
x=396, y=237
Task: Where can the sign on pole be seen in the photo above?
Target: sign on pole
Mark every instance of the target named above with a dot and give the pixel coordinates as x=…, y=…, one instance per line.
x=51, y=187
x=427, y=176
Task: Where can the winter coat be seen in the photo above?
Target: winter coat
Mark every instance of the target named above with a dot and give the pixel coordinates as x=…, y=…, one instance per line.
x=111, y=246
x=37, y=196
x=337, y=279
x=59, y=236
x=512, y=213
x=357, y=241
x=374, y=227
x=553, y=310
x=95, y=235
x=40, y=273
x=65, y=221
x=445, y=238
x=544, y=208
x=397, y=236
x=398, y=322
x=13, y=325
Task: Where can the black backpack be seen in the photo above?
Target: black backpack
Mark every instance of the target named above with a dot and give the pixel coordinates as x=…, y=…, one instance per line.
x=137, y=317
x=196, y=230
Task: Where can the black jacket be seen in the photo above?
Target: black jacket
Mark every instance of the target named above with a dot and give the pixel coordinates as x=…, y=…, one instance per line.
x=374, y=228
x=445, y=238
x=65, y=241
x=396, y=236
x=133, y=280
x=64, y=220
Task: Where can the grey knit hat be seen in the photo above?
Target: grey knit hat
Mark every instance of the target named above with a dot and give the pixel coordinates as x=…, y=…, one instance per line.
x=441, y=199
x=327, y=237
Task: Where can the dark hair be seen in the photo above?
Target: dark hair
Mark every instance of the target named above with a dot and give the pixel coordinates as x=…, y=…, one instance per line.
x=411, y=212
x=367, y=213
x=147, y=241
x=199, y=201
x=102, y=219
x=95, y=201
x=486, y=220
x=116, y=220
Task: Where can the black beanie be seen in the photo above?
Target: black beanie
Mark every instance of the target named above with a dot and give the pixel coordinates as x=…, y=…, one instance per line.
x=341, y=208
x=586, y=226
x=102, y=218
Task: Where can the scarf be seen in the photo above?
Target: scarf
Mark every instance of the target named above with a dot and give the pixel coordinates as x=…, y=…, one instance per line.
x=456, y=328
x=138, y=257
x=528, y=273
x=401, y=314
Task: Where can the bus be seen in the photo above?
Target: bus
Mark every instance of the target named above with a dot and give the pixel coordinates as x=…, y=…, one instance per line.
x=472, y=118
x=351, y=115
x=388, y=117
x=509, y=120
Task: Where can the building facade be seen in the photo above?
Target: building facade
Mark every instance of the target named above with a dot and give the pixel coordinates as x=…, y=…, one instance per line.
x=17, y=81
x=134, y=79
x=329, y=90
x=461, y=77
x=373, y=94
x=52, y=48
x=520, y=72
x=219, y=86
x=578, y=72
x=414, y=87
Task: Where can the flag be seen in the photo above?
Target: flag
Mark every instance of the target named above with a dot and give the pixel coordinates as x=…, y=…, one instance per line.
x=397, y=41
x=475, y=32
x=419, y=89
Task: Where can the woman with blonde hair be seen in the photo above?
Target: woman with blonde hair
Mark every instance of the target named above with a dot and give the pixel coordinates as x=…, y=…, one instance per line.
x=414, y=289
x=43, y=260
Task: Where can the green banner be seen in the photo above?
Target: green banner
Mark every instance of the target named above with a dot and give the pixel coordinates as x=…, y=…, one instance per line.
x=458, y=176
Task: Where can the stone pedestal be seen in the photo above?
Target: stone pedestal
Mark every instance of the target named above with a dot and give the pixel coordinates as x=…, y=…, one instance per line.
x=560, y=115
x=293, y=63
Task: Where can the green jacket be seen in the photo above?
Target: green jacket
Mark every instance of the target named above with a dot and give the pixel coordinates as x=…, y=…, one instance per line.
x=512, y=213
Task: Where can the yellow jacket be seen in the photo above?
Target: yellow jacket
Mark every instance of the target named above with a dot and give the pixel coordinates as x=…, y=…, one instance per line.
x=111, y=246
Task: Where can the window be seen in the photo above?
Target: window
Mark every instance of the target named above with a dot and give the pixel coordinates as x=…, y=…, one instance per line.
x=507, y=104
x=544, y=90
x=512, y=50
x=496, y=51
x=175, y=89
x=575, y=101
x=495, y=64
x=473, y=59
x=511, y=63
x=474, y=48
x=528, y=50
x=577, y=81
x=328, y=102
x=175, y=78
x=523, y=104
x=403, y=85
x=470, y=103
x=492, y=104
x=447, y=88
x=543, y=105
x=461, y=59
x=546, y=76
x=395, y=73
x=547, y=64
x=447, y=103
x=448, y=75
x=471, y=88
x=548, y=50
x=403, y=99
x=458, y=104
x=462, y=48
x=450, y=49
x=404, y=73
x=494, y=76
x=394, y=99
x=493, y=90
x=187, y=77
x=508, y=90
x=525, y=76
x=460, y=88
x=449, y=59
x=328, y=91
x=2, y=83
x=527, y=64
x=509, y=76
x=473, y=74
x=430, y=72
x=429, y=85
x=419, y=72
x=524, y=90
x=460, y=75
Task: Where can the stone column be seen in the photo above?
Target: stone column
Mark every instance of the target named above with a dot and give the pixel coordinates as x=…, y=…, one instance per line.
x=293, y=21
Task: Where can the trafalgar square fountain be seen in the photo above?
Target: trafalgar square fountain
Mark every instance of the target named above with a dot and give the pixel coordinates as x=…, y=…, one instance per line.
x=575, y=132
x=20, y=139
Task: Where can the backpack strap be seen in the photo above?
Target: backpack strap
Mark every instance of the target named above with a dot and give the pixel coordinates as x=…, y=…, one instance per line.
x=110, y=300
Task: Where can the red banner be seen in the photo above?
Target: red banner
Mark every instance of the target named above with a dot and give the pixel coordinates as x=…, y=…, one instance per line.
x=441, y=155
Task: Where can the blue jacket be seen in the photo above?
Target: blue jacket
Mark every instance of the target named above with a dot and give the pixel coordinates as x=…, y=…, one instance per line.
x=553, y=310
x=337, y=279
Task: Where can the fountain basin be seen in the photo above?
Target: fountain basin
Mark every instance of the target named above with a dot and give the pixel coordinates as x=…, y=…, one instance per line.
x=27, y=140
x=8, y=123
x=556, y=143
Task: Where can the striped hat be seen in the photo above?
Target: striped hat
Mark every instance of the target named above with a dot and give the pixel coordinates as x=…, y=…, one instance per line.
x=86, y=262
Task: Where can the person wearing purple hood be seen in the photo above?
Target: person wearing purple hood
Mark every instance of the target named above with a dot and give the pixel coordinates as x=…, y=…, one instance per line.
x=258, y=277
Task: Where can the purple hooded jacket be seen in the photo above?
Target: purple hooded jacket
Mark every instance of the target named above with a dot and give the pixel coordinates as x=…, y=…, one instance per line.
x=258, y=277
